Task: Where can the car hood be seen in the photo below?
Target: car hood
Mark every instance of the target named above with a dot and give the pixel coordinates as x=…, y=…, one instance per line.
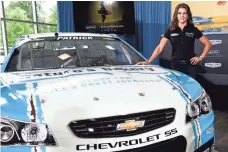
x=82, y=93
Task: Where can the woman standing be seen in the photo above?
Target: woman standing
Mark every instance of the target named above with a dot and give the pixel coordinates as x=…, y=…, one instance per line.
x=182, y=34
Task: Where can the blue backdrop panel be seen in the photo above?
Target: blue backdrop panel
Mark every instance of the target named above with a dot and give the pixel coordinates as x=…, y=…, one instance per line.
x=65, y=16
x=152, y=19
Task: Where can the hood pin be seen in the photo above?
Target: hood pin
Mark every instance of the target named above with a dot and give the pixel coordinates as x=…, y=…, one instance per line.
x=141, y=94
x=96, y=99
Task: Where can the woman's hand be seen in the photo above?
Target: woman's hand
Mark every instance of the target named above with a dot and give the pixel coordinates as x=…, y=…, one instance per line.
x=195, y=60
x=143, y=63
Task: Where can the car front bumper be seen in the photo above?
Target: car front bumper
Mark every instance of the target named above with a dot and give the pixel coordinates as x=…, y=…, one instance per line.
x=196, y=136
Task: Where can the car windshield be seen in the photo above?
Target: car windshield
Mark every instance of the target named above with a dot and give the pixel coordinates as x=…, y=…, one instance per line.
x=71, y=52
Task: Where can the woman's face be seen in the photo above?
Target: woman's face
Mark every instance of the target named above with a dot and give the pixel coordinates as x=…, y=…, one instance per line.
x=182, y=15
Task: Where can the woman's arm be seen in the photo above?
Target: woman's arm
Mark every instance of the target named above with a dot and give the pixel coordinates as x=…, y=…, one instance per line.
x=156, y=52
x=207, y=47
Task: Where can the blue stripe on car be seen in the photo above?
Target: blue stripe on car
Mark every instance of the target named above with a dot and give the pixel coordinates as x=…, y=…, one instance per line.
x=16, y=149
x=192, y=87
x=184, y=97
x=39, y=112
x=195, y=134
x=206, y=122
x=194, y=90
x=22, y=149
x=15, y=109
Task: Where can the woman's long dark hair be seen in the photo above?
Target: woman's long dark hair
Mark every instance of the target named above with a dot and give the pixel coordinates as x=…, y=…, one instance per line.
x=174, y=23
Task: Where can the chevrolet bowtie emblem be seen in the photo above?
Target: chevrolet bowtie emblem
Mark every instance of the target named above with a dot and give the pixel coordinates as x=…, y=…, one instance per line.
x=130, y=125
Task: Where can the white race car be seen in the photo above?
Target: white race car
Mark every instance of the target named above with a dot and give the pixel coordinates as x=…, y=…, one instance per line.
x=69, y=92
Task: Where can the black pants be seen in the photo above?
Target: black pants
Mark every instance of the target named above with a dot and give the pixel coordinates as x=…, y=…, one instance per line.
x=185, y=67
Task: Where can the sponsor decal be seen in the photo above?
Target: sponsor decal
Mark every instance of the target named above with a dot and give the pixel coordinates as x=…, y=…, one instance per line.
x=189, y=34
x=213, y=65
x=210, y=130
x=216, y=42
x=214, y=53
x=75, y=38
x=130, y=125
x=67, y=72
x=125, y=143
x=70, y=83
x=90, y=27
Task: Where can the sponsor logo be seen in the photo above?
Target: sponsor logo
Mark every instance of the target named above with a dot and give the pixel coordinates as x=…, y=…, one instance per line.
x=189, y=34
x=75, y=38
x=214, y=53
x=174, y=34
x=90, y=27
x=125, y=143
x=130, y=125
x=216, y=42
x=210, y=130
x=213, y=65
x=68, y=72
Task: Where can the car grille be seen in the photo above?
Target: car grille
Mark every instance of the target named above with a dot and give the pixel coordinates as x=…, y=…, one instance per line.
x=107, y=127
x=177, y=144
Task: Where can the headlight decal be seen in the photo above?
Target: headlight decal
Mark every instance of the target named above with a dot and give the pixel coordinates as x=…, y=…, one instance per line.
x=202, y=109
x=23, y=105
x=199, y=107
x=14, y=132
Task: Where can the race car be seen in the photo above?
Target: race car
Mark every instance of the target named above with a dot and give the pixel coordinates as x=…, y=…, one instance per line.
x=67, y=92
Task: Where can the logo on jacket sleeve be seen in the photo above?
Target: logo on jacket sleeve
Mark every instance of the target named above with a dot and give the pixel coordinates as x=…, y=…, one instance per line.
x=130, y=125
